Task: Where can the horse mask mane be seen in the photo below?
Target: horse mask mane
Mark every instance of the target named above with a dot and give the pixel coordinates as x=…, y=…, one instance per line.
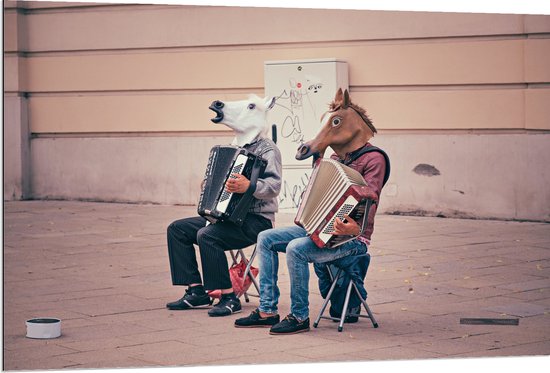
x=343, y=101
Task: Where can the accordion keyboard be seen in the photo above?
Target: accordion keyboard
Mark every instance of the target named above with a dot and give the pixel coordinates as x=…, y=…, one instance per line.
x=237, y=168
x=344, y=210
x=326, y=234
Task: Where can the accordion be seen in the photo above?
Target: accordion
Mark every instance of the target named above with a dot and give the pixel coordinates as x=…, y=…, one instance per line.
x=215, y=203
x=334, y=190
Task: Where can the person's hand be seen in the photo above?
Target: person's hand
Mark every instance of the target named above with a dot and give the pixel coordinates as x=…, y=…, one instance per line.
x=237, y=183
x=349, y=227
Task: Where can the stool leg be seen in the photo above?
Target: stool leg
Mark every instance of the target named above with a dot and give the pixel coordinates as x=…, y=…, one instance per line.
x=247, y=271
x=233, y=256
x=344, y=312
x=371, y=316
x=327, y=299
x=249, y=274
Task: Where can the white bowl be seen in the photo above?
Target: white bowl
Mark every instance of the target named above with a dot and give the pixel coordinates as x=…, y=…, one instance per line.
x=43, y=328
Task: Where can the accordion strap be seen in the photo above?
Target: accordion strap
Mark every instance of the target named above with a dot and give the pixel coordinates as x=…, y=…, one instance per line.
x=368, y=149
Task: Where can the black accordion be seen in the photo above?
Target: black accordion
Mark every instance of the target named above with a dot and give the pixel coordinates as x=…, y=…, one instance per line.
x=215, y=203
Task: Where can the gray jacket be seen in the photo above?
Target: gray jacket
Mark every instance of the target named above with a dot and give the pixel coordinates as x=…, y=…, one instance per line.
x=268, y=186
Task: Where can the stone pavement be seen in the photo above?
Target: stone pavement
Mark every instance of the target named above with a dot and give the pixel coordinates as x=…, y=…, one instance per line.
x=102, y=268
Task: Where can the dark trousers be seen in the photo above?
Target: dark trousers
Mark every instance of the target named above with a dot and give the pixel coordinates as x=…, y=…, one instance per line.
x=213, y=240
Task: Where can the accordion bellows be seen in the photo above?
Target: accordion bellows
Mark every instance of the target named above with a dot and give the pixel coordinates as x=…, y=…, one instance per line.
x=334, y=190
x=215, y=203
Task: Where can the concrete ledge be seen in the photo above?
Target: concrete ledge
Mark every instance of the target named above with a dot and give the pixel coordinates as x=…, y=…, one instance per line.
x=501, y=176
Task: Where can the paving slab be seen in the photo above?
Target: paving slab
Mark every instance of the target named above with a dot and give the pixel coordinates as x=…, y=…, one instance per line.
x=102, y=268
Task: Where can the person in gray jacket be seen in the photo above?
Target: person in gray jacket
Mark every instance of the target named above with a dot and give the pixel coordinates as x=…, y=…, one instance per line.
x=214, y=239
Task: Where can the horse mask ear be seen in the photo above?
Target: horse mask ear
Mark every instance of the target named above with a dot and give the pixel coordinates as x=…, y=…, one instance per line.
x=339, y=97
x=269, y=102
x=346, y=101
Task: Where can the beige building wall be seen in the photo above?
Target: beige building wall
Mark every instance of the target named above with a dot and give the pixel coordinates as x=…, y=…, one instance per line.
x=110, y=102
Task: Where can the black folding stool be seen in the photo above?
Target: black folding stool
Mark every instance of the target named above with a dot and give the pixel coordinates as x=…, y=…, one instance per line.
x=235, y=254
x=344, y=312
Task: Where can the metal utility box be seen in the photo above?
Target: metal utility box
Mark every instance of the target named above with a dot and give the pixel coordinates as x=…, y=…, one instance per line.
x=304, y=89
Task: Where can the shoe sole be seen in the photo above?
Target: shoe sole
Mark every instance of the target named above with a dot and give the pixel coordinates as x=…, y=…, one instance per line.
x=188, y=308
x=253, y=326
x=296, y=332
x=229, y=314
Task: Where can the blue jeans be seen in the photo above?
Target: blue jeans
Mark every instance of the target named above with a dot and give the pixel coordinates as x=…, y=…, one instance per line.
x=300, y=250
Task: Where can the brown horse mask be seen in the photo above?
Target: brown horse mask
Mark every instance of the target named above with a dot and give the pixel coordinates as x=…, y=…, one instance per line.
x=347, y=129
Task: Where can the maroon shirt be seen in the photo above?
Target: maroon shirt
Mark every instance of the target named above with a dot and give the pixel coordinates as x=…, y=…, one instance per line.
x=372, y=166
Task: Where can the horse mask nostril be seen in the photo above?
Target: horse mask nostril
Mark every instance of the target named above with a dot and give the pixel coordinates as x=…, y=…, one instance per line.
x=304, y=149
x=219, y=104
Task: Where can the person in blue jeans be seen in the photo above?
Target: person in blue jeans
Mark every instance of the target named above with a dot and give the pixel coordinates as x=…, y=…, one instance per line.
x=301, y=250
x=347, y=131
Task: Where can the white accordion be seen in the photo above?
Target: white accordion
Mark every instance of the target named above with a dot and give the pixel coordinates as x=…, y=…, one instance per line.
x=334, y=190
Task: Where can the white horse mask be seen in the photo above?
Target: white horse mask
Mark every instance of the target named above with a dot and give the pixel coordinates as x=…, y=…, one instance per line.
x=247, y=118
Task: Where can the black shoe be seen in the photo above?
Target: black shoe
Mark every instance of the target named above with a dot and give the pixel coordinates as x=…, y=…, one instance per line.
x=191, y=299
x=290, y=325
x=254, y=320
x=227, y=305
x=352, y=317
